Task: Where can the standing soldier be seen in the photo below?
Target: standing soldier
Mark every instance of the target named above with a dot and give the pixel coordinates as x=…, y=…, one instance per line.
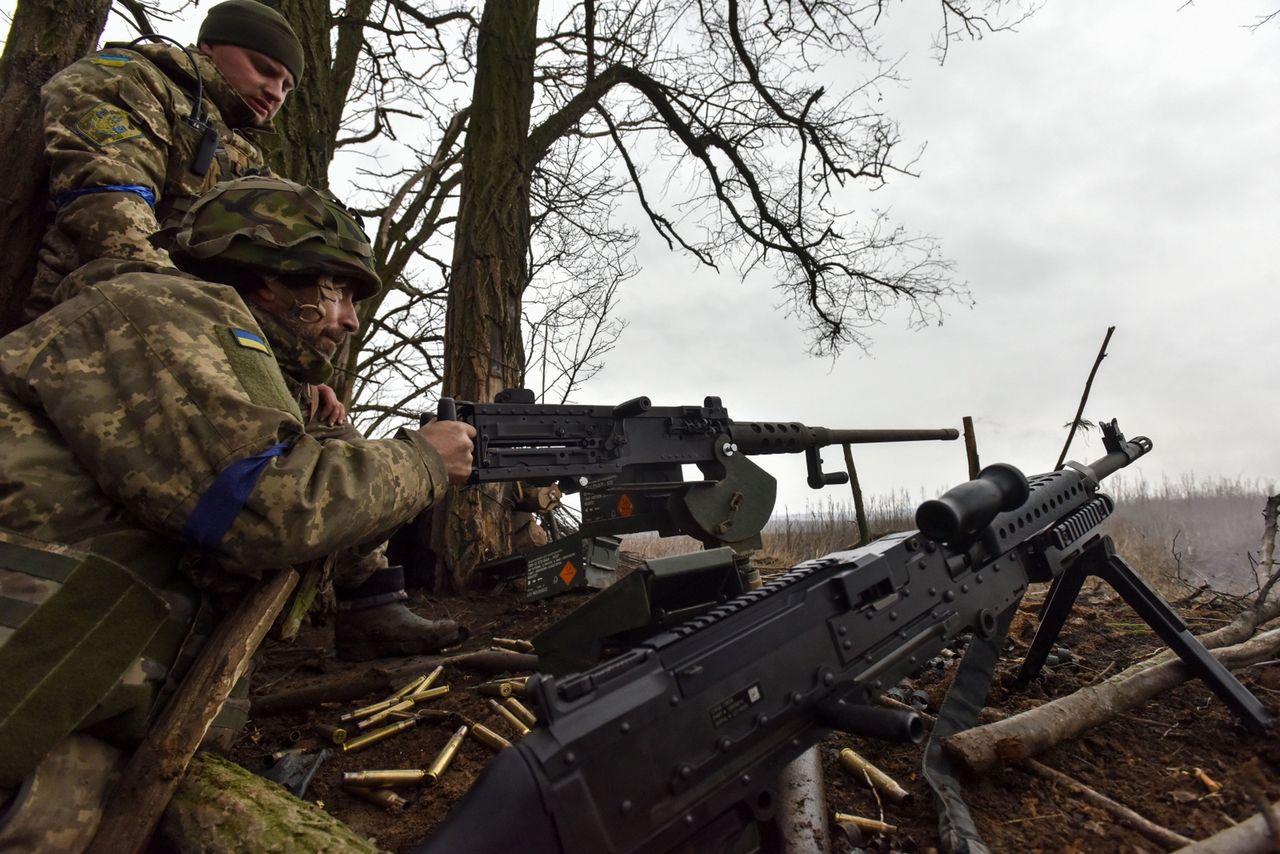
x=133, y=135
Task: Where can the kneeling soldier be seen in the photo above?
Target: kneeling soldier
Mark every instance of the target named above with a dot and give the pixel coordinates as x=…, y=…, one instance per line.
x=155, y=457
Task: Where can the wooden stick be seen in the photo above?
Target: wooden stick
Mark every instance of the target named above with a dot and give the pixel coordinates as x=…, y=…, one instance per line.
x=157, y=766
x=1084, y=398
x=859, y=509
x=1154, y=832
x=971, y=448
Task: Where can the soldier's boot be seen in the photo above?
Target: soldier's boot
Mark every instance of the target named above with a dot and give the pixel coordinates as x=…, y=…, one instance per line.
x=389, y=630
x=373, y=621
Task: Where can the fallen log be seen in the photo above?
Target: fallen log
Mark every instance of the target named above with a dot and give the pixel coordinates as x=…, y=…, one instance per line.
x=351, y=685
x=220, y=808
x=1022, y=736
x=1247, y=837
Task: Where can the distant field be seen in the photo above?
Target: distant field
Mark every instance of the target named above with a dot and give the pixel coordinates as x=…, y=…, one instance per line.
x=1197, y=530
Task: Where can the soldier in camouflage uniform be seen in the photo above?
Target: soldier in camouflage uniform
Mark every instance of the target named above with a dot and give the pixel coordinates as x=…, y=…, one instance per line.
x=148, y=424
x=134, y=134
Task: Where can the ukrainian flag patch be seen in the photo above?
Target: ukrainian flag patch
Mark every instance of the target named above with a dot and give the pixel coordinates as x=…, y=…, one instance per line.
x=251, y=340
x=250, y=359
x=111, y=60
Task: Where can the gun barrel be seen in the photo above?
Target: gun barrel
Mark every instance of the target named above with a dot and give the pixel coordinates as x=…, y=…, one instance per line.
x=771, y=437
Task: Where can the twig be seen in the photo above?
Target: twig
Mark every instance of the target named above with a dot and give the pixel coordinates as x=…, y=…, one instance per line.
x=1102, y=354
x=1154, y=832
x=1027, y=818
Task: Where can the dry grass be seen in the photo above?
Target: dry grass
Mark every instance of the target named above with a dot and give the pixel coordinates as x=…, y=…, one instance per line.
x=1185, y=532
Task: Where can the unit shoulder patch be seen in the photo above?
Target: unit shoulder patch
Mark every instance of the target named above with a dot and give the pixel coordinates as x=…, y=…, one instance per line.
x=106, y=124
x=254, y=365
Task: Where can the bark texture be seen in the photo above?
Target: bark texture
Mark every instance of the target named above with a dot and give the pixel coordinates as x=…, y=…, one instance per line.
x=309, y=123
x=43, y=39
x=483, y=352
x=221, y=808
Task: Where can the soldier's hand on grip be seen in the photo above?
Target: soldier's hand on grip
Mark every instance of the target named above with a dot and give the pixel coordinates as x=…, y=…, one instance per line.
x=455, y=442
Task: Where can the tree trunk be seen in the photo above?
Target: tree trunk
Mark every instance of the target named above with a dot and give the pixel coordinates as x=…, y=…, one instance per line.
x=43, y=39
x=311, y=119
x=307, y=125
x=483, y=349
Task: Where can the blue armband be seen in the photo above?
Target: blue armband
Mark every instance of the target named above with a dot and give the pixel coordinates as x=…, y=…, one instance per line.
x=225, y=498
x=145, y=193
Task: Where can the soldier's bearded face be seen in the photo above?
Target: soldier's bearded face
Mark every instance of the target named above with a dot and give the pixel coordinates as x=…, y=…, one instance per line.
x=322, y=313
x=261, y=81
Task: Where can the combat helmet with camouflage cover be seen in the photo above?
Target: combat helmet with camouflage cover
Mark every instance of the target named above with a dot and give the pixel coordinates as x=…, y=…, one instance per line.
x=271, y=225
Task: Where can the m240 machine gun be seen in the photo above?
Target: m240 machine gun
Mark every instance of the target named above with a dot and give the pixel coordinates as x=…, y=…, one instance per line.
x=677, y=743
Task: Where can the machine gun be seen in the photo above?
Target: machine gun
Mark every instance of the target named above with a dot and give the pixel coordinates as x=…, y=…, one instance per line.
x=627, y=460
x=676, y=744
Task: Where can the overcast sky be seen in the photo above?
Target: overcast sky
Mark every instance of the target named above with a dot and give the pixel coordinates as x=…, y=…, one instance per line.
x=1103, y=165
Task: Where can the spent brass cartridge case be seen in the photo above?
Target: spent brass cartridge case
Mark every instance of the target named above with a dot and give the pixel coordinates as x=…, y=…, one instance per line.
x=335, y=734
x=382, y=779
x=378, y=717
x=860, y=767
x=494, y=689
x=514, y=644
x=488, y=737
x=429, y=694
x=869, y=824
x=365, y=711
x=509, y=716
x=521, y=711
x=431, y=679
x=384, y=798
x=362, y=741
x=405, y=690
x=441, y=763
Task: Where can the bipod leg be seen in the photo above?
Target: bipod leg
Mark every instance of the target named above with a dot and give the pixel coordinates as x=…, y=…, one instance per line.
x=1169, y=626
x=1053, y=616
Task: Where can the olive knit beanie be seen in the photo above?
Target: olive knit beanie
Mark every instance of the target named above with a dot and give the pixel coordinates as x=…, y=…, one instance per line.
x=248, y=23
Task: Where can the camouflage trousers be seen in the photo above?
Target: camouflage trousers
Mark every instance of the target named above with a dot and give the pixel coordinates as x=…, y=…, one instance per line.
x=58, y=807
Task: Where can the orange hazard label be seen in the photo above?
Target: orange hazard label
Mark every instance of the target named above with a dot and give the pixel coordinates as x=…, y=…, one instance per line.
x=625, y=507
x=567, y=574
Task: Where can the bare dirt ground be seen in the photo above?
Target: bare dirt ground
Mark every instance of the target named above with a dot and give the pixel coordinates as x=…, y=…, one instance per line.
x=1146, y=760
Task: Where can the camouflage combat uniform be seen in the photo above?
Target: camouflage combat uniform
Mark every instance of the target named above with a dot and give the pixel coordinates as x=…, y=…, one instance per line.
x=133, y=404
x=123, y=157
x=147, y=419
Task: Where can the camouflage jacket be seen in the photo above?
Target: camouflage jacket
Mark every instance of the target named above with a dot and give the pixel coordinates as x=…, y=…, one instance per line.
x=121, y=147
x=155, y=401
